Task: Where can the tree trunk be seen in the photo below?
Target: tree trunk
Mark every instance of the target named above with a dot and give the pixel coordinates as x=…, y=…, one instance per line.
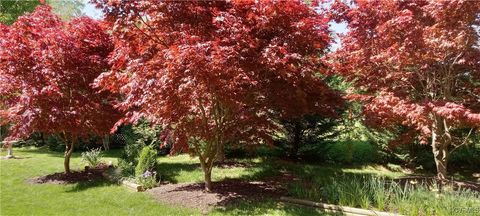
x=42, y=137
x=221, y=154
x=207, y=171
x=106, y=142
x=208, y=180
x=296, y=139
x=10, y=151
x=440, y=144
x=68, y=154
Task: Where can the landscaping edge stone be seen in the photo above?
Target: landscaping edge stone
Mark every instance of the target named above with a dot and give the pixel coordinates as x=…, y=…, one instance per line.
x=338, y=209
x=133, y=186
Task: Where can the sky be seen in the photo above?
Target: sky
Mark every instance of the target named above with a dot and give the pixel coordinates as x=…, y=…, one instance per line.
x=93, y=12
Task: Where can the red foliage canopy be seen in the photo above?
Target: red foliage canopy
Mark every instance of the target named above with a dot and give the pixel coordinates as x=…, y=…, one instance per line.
x=418, y=63
x=218, y=70
x=47, y=68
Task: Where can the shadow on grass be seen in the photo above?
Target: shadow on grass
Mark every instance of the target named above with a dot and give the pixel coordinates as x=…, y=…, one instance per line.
x=82, y=186
x=114, y=153
x=41, y=151
x=169, y=171
x=264, y=169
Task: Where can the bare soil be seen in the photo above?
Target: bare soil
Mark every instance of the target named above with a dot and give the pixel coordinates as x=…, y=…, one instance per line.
x=223, y=193
x=87, y=175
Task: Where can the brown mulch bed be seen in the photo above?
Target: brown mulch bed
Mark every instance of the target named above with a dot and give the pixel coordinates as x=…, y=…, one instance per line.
x=224, y=192
x=89, y=175
x=430, y=181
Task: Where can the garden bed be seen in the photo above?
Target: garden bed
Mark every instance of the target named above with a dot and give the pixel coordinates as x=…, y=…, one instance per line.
x=193, y=195
x=87, y=175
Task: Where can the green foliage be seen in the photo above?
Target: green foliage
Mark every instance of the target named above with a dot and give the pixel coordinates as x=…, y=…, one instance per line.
x=55, y=144
x=142, y=134
x=129, y=158
x=148, y=179
x=137, y=137
x=353, y=152
x=147, y=161
x=92, y=158
x=67, y=9
x=146, y=134
x=3, y=132
x=10, y=10
x=306, y=137
x=466, y=157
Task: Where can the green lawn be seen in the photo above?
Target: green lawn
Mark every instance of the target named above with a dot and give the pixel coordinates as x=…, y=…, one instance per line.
x=332, y=184
x=18, y=197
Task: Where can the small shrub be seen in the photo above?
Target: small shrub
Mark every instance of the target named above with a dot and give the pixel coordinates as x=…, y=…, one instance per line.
x=135, y=138
x=129, y=158
x=147, y=161
x=147, y=179
x=92, y=158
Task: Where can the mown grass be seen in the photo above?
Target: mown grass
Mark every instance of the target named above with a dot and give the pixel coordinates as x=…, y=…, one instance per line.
x=356, y=186
x=18, y=197
x=186, y=169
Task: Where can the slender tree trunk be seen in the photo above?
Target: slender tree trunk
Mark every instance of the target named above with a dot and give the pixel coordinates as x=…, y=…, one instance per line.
x=221, y=153
x=296, y=139
x=10, y=151
x=68, y=154
x=208, y=180
x=42, y=137
x=106, y=142
x=207, y=172
x=440, y=144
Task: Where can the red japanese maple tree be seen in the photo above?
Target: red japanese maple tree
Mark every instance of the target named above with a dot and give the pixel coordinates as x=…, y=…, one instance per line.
x=47, y=68
x=418, y=65
x=215, y=72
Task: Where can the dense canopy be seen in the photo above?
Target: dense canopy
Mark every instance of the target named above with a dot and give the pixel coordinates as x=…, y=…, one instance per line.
x=417, y=63
x=218, y=71
x=47, y=68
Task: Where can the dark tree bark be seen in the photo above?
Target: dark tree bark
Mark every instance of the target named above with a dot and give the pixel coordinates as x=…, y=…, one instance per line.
x=67, y=155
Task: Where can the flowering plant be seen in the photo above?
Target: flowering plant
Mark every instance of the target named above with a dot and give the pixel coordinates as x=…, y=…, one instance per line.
x=148, y=179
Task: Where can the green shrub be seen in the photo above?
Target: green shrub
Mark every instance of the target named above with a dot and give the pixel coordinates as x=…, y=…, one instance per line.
x=129, y=158
x=92, y=158
x=305, y=138
x=148, y=179
x=135, y=138
x=465, y=157
x=147, y=161
x=55, y=144
x=353, y=152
